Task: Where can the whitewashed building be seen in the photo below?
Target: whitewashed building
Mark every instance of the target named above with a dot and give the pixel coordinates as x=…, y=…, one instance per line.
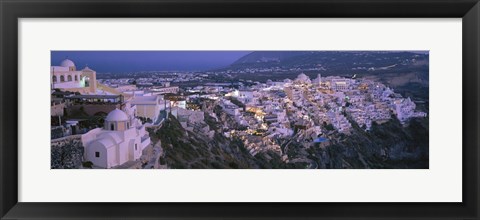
x=148, y=106
x=122, y=139
x=67, y=77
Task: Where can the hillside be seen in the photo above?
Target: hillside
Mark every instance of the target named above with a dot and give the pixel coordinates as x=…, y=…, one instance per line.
x=268, y=56
x=193, y=150
x=386, y=146
x=338, y=61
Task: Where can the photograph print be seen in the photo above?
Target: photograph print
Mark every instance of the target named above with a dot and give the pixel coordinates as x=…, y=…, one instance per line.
x=239, y=109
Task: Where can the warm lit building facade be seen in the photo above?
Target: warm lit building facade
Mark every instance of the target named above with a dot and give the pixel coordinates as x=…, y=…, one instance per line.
x=148, y=106
x=67, y=77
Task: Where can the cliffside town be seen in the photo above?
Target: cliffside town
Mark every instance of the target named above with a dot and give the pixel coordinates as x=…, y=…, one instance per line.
x=297, y=123
x=215, y=120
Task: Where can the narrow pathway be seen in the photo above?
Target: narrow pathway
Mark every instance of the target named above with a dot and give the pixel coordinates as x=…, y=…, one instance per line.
x=153, y=163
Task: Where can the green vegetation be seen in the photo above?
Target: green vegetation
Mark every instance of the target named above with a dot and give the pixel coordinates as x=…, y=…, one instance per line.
x=236, y=102
x=185, y=149
x=87, y=164
x=329, y=127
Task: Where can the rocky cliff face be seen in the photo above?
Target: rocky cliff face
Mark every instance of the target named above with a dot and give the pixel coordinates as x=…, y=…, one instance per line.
x=386, y=146
x=67, y=153
x=193, y=150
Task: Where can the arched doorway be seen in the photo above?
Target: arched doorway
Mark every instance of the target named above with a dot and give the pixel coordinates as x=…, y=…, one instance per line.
x=87, y=82
x=62, y=78
x=54, y=78
x=69, y=77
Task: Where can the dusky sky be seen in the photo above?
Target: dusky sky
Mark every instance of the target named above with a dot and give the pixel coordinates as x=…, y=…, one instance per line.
x=131, y=61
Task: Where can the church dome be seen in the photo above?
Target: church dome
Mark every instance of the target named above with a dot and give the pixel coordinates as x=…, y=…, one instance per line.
x=67, y=63
x=117, y=115
x=303, y=78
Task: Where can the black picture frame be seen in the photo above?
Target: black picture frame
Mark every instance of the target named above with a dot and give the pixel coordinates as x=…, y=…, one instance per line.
x=12, y=10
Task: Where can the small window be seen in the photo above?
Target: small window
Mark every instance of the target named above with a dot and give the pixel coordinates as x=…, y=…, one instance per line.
x=97, y=154
x=112, y=127
x=135, y=146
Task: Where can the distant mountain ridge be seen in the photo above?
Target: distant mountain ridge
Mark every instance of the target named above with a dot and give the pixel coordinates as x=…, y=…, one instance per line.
x=268, y=56
x=325, y=58
x=334, y=62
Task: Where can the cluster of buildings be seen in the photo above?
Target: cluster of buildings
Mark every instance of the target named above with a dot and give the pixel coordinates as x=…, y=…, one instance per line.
x=260, y=115
x=155, y=78
x=310, y=109
x=121, y=110
x=111, y=122
x=277, y=69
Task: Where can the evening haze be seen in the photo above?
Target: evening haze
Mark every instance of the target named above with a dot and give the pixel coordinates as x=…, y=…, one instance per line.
x=132, y=61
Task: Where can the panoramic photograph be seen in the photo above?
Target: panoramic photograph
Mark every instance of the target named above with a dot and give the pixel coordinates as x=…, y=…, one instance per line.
x=239, y=109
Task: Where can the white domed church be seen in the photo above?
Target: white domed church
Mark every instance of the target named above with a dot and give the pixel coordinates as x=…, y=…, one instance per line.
x=302, y=79
x=122, y=139
x=67, y=77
